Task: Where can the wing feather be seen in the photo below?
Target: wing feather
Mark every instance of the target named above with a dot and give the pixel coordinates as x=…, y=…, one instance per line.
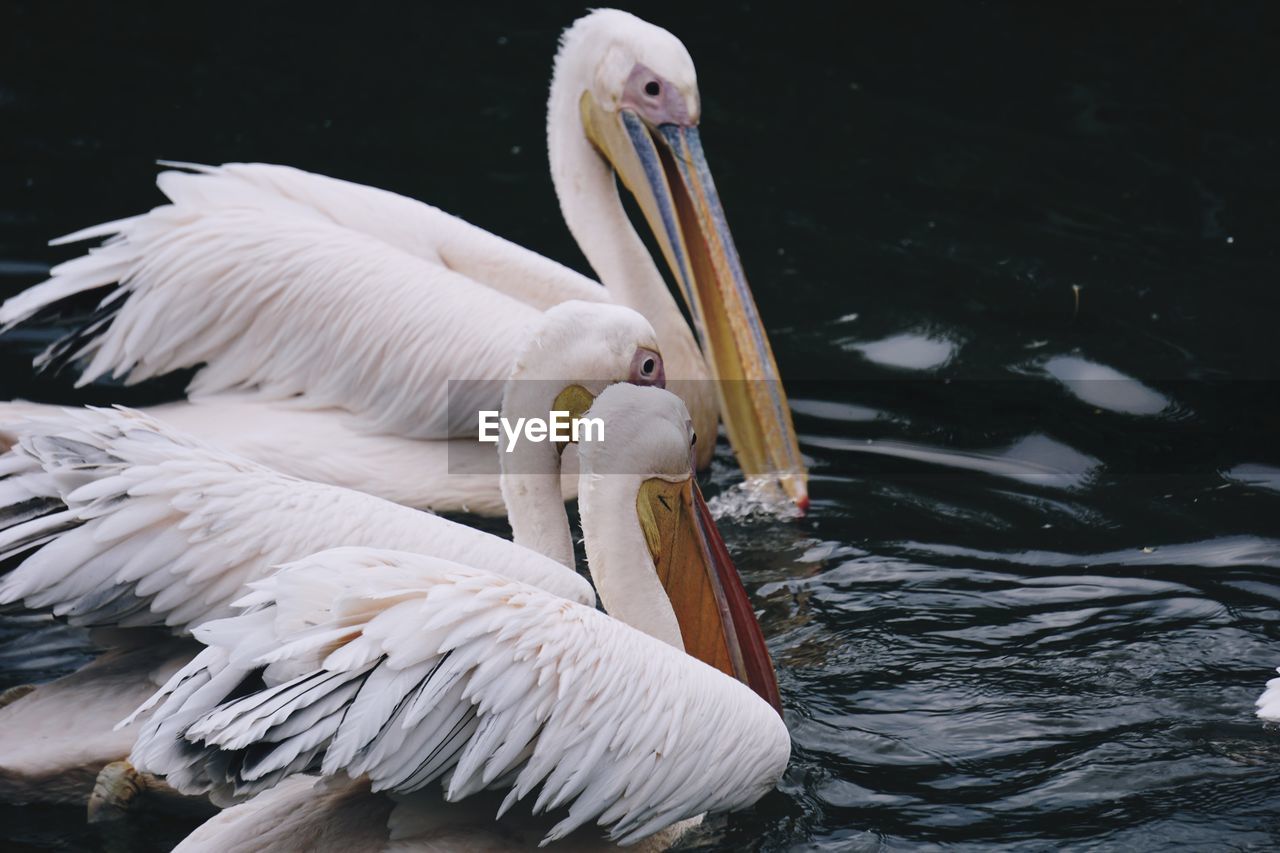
x=462, y=678
x=143, y=514
x=408, y=225
x=279, y=300
x=289, y=285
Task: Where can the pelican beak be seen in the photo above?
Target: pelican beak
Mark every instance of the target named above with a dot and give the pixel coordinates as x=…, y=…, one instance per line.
x=666, y=171
x=717, y=623
x=575, y=400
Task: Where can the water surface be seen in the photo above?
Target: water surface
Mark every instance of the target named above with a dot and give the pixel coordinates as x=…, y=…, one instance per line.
x=1039, y=586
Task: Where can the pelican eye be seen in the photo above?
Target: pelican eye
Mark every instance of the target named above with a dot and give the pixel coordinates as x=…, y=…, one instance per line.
x=646, y=368
x=652, y=88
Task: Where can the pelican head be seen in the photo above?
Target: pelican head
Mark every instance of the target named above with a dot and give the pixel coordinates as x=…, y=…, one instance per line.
x=653, y=550
x=573, y=352
x=637, y=94
x=578, y=348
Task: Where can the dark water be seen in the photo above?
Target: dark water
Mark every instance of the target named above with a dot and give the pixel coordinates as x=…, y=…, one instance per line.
x=1024, y=612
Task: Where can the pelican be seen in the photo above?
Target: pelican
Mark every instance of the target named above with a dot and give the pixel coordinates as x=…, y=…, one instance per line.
x=1268, y=703
x=327, y=316
x=384, y=671
x=125, y=523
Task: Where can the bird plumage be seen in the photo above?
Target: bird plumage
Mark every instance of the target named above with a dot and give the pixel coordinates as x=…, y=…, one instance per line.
x=1268, y=703
x=407, y=668
x=142, y=525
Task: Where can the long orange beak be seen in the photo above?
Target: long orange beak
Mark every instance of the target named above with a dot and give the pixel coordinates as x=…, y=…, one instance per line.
x=717, y=623
x=667, y=172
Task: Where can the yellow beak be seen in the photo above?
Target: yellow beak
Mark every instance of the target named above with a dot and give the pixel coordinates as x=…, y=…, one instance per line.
x=717, y=623
x=666, y=171
x=575, y=400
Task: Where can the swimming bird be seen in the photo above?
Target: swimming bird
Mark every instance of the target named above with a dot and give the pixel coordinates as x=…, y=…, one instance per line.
x=123, y=523
x=327, y=318
x=384, y=671
x=1269, y=702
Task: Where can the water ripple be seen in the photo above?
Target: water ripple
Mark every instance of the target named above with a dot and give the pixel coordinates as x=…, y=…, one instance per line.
x=1035, y=459
x=907, y=351
x=1105, y=387
x=1212, y=553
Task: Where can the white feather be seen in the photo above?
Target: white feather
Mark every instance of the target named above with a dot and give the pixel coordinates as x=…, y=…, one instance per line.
x=297, y=291
x=288, y=285
x=1269, y=702
x=710, y=745
x=183, y=527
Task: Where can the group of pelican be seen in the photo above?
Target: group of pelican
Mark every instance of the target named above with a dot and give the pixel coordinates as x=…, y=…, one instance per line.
x=287, y=633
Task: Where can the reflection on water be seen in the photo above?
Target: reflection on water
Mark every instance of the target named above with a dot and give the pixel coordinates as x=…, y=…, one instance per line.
x=832, y=410
x=1261, y=476
x=1105, y=387
x=908, y=351
x=1035, y=459
x=1211, y=554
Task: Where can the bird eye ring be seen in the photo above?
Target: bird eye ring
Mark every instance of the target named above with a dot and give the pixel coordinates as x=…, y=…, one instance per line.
x=646, y=368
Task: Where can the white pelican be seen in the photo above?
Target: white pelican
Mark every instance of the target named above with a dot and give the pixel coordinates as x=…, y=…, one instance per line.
x=394, y=670
x=125, y=523
x=1269, y=702
x=302, y=293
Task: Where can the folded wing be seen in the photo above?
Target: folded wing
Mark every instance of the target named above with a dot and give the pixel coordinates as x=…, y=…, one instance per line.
x=398, y=221
x=409, y=669
x=124, y=521
x=287, y=285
